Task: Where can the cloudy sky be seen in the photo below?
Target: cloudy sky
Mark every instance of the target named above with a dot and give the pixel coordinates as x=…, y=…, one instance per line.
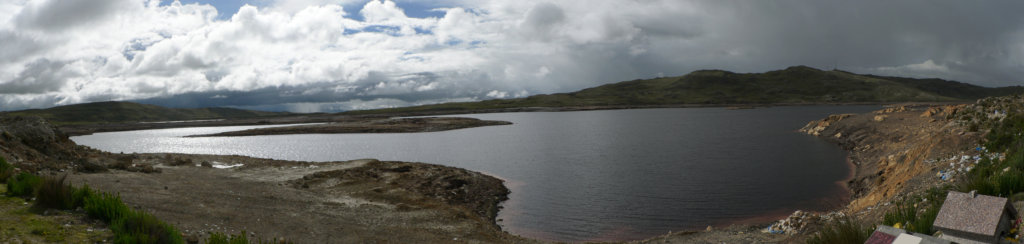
x=323, y=55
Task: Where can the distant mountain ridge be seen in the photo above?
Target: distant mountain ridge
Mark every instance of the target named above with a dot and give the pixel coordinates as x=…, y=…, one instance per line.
x=121, y=112
x=793, y=85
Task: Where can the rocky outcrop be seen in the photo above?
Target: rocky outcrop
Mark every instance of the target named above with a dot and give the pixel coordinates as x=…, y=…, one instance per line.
x=32, y=144
x=416, y=184
x=816, y=127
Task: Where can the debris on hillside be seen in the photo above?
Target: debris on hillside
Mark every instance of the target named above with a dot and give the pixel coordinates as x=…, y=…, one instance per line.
x=800, y=221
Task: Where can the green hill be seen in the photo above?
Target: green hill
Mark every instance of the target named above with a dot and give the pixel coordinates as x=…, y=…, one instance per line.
x=118, y=112
x=794, y=85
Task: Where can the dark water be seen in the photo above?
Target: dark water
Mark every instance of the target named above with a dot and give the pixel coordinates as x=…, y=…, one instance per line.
x=592, y=175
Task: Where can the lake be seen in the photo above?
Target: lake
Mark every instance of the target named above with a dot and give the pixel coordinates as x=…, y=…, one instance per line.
x=589, y=175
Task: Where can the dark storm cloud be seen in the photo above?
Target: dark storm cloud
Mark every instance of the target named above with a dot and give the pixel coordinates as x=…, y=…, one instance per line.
x=983, y=39
x=56, y=15
x=39, y=76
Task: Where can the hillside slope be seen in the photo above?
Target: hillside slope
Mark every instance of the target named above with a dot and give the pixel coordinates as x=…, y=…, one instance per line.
x=794, y=85
x=119, y=112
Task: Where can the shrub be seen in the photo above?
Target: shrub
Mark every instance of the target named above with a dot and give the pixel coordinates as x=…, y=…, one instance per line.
x=844, y=230
x=79, y=195
x=54, y=193
x=129, y=226
x=141, y=227
x=23, y=185
x=902, y=214
x=924, y=221
x=1010, y=182
x=221, y=238
x=6, y=170
x=105, y=206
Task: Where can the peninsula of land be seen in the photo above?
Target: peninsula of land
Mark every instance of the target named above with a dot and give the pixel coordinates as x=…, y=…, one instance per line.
x=386, y=125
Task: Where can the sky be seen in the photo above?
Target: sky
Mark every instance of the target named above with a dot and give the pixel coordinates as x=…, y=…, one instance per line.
x=336, y=55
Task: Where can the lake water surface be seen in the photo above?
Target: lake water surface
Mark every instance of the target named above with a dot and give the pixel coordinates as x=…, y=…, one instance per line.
x=589, y=175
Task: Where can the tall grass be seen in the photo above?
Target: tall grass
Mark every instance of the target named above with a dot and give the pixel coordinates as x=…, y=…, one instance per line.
x=54, y=193
x=142, y=227
x=842, y=231
x=902, y=214
x=6, y=170
x=105, y=206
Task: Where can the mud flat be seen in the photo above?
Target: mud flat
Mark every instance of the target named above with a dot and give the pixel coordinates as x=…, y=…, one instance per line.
x=388, y=125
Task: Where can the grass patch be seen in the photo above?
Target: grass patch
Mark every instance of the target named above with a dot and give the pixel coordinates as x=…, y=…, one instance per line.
x=221, y=238
x=23, y=185
x=19, y=221
x=840, y=231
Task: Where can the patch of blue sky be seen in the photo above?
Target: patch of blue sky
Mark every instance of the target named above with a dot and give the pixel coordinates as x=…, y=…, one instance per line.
x=225, y=8
x=412, y=8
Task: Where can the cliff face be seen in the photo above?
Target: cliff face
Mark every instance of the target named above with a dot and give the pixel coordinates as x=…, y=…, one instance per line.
x=896, y=151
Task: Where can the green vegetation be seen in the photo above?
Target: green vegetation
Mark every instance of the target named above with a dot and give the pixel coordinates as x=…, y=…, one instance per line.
x=23, y=185
x=794, y=85
x=140, y=227
x=119, y=112
x=844, y=230
x=53, y=193
x=221, y=238
x=20, y=222
x=917, y=214
x=127, y=225
x=6, y=170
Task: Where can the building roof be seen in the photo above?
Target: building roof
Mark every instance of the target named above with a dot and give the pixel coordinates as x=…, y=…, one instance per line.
x=885, y=234
x=972, y=213
x=880, y=238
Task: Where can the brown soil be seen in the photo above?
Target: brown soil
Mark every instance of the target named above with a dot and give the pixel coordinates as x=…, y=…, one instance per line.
x=399, y=125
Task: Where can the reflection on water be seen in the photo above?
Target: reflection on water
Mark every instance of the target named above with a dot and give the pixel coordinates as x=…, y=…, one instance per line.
x=590, y=175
